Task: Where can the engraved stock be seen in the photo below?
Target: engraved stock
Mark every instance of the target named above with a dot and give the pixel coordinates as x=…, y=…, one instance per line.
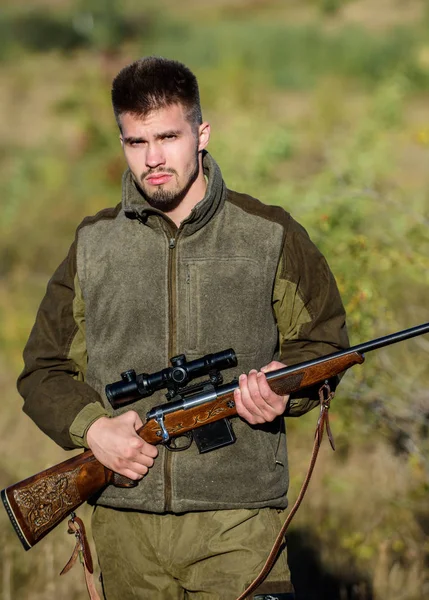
x=41, y=503
x=37, y=504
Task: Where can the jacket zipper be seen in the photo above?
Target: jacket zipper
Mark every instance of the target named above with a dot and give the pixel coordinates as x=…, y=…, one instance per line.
x=172, y=300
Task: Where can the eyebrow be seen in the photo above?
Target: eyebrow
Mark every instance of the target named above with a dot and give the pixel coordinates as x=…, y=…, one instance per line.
x=158, y=136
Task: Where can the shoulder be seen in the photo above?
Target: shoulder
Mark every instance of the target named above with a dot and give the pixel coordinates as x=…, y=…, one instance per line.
x=253, y=206
x=106, y=214
x=292, y=230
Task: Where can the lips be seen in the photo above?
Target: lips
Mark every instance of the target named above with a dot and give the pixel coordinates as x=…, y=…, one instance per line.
x=158, y=178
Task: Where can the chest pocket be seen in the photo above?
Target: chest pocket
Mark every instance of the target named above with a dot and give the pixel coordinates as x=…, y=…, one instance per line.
x=227, y=305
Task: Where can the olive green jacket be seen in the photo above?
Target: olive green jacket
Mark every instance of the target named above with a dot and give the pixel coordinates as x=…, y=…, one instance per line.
x=134, y=290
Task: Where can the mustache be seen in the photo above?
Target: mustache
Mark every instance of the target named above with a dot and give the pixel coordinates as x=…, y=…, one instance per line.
x=157, y=171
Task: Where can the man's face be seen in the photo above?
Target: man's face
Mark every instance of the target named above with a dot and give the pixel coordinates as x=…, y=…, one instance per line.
x=162, y=152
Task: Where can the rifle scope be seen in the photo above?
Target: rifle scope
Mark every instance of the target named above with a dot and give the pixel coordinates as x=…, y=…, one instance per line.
x=134, y=387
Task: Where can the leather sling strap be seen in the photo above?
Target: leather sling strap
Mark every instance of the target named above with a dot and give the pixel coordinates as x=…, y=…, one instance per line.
x=83, y=551
x=325, y=397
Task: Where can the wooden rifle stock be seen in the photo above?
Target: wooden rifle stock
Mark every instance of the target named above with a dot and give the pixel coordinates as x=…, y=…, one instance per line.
x=37, y=504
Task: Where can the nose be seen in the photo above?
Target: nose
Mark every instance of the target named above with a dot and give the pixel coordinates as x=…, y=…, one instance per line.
x=154, y=155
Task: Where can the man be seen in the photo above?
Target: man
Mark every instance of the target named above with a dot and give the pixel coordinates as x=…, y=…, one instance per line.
x=182, y=265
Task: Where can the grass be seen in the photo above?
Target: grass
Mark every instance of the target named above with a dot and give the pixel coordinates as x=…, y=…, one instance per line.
x=317, y=114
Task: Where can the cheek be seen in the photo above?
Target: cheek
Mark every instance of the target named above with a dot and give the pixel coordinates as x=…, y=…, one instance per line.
x=136, y=162
x=189, y=158
x=184, y=152
x=132, y=157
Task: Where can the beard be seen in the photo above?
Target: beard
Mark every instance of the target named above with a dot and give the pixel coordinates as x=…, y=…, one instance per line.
x=168, y=199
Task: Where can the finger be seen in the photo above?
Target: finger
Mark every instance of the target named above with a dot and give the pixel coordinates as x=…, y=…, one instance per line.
x=150, y=450
x=255, y=392
x=266, y=392
x=131, y=474
x=246, y=399
x=274, y=365
x=140, y=458
x=140, y=466
x=265, y=400
x=137, y=444
x=133, y=418
x=247, y=389
x=277, y=402
x=142, y=453
x=242, y=411
x=264, y=389
x=130, y=469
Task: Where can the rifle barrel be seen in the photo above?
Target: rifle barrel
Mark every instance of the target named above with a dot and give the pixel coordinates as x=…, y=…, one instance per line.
x=386, y=340
x=393, y=338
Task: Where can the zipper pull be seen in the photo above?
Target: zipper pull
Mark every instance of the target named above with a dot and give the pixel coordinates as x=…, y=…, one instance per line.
x=172, y=243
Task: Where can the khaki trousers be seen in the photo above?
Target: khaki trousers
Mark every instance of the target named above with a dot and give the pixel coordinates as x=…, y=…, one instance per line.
x=211, y=555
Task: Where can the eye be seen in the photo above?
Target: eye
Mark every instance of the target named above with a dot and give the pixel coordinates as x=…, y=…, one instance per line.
x=134, y=142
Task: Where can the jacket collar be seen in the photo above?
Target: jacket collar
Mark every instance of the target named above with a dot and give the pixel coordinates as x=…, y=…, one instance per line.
x=135, y=206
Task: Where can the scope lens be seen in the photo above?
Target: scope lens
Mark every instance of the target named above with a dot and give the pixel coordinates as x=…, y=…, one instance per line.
x=178, y=375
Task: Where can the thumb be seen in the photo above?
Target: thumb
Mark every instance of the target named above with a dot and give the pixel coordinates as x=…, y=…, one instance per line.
x=135, y=419
x=274, y=365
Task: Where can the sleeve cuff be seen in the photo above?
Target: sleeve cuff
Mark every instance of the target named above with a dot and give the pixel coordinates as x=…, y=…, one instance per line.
x=299, y=406
x=83, y=421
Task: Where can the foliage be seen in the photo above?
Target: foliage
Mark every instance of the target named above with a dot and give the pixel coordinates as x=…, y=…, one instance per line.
x=323, y=117
x=92, y=24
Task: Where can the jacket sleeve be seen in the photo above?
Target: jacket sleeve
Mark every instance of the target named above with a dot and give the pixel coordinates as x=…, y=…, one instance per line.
x=308, y=307
x=52, y=383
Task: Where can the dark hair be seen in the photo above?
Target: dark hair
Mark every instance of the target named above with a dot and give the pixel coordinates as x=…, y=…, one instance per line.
x=153, y=82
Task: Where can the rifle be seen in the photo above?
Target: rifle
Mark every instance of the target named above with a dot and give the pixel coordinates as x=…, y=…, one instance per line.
x=39, y=503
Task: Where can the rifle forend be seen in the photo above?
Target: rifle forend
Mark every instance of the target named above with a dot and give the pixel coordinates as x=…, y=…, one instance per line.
x=37, y=504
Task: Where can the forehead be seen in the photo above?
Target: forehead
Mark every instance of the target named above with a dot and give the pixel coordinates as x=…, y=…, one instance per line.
x=171, y=117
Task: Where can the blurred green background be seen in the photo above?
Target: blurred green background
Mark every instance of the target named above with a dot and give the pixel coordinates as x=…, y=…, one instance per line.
x=320, y=106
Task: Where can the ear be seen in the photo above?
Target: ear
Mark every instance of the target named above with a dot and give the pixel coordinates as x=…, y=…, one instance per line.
x=121, y=139
x=203, y=135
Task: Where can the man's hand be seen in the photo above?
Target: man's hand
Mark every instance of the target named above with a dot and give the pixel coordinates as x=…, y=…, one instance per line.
x=117, y=446
x=255, y=401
